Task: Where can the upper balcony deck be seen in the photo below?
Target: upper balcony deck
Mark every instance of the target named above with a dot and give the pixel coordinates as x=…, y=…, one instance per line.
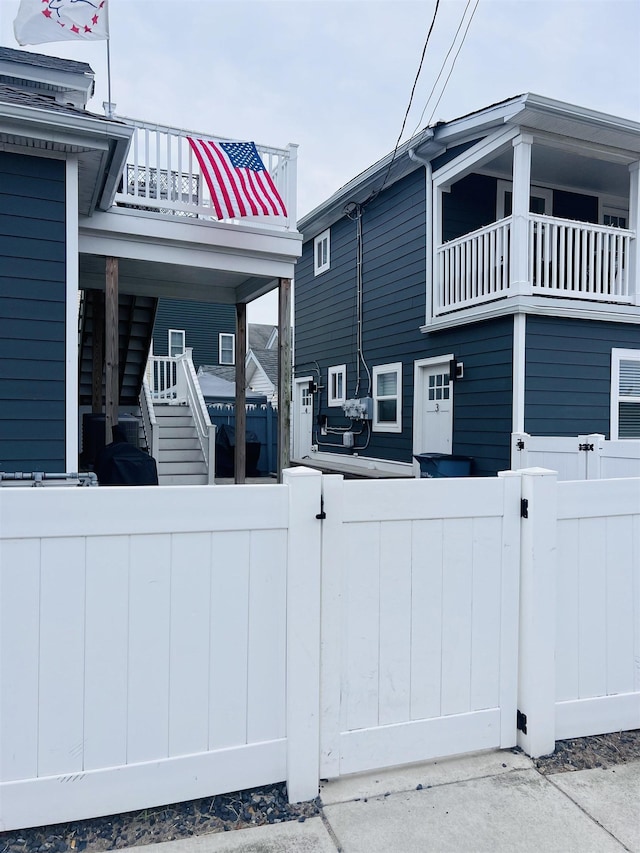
x=560, y=257
x=162, y=175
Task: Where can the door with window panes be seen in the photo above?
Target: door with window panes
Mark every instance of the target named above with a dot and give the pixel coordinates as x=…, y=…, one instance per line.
x=437, y=416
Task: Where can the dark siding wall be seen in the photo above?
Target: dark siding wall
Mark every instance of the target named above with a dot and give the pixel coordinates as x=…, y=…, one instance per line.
x=32, y=313
x=482, y=400
x=393, y=309
x=575, y=206
x=471, y=204
x=394, y=304
x=201, y=321
x=568, y=374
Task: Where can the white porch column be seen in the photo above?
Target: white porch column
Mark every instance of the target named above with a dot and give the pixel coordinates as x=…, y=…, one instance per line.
x=434, y=240
x=634, y=223
x=519, y=265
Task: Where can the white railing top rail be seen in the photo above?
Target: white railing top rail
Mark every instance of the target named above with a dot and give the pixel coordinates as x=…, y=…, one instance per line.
x=201, y=419
x=149, y=422
x=486, y=229
x=162, y=175
x=581, y=226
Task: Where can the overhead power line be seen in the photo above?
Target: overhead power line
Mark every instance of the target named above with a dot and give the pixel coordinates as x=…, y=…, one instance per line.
x=413, y=89
x=442, y=67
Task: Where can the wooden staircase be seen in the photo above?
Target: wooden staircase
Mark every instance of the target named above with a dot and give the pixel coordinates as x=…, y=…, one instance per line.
x=180, y=460
x=136, y=316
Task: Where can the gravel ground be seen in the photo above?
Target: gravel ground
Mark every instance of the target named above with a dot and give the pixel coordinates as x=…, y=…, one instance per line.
x=261, y=806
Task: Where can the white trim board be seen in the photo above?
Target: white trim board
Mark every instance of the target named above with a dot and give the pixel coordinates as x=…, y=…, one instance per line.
x=71, y=315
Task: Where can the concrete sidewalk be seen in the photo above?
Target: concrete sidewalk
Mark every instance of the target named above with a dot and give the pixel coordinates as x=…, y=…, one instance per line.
x=488, y=802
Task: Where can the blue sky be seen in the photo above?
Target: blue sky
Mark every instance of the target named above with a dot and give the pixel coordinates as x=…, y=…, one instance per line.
x=335, y=76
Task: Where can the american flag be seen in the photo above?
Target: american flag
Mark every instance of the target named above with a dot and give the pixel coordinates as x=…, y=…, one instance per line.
x=237, y=179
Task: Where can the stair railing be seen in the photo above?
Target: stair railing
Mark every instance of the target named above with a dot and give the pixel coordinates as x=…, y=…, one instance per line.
x=149, y=423
x=205, y=430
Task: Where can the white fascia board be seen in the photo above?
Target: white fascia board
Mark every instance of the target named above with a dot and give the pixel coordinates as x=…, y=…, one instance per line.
x=583, y=114
x=540, y=306
x=135, y=226
x=475, y=157
x=94, y=131
x=206, y=258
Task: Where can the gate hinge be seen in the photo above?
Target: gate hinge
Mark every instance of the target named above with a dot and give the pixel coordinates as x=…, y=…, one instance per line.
x=524, y=508
x=585, y=447
x=322, y=514
x=520, y=444
x=521, y=722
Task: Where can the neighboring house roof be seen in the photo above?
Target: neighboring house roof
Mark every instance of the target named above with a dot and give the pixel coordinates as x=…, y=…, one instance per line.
x=268, y=361
x=536, y=113
x=260, y=334
x=223, y=371
x=39, y=60
x=40, y=100
x=215, y=387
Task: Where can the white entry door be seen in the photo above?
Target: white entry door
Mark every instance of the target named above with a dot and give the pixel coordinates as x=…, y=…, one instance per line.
x=433, y=406
x=303, y=418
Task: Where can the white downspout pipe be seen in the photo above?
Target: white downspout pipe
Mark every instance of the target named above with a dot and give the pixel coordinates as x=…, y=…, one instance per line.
x=429, y=225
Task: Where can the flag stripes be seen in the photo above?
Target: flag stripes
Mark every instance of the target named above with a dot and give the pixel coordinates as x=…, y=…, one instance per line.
x=237, y=179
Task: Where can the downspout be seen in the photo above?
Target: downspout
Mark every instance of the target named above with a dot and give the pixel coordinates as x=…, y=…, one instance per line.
x=429, y=225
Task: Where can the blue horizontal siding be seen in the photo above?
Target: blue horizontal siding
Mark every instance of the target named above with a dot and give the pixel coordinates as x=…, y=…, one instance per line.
x=568, y=374
x=32, y=313
x=202, y=322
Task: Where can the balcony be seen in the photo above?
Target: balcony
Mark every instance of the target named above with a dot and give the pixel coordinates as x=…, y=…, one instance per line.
x=162, y=175
x=561, y=258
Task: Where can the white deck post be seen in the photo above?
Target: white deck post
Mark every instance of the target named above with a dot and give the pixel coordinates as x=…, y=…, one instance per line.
x=634, y=224
x=303, y=634
x=519, y=265
x=536, y=657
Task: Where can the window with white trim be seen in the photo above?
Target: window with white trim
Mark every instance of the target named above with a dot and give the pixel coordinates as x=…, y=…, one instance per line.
x=226, y=348
x=176, y=342
x=322, y=252
x=337, y=385
x=387, y=397
x=625, y=393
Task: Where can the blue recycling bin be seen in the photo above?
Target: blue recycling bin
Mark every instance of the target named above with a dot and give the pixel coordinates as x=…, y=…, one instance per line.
x=438, y=465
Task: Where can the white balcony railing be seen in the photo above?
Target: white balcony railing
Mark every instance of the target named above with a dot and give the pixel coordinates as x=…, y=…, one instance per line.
x=564, y=259
x=473, y=268
x=579, y=259
x=163, y=175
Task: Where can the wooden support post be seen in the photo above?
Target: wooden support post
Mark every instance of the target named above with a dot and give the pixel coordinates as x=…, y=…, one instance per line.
x=97, y=350
x=240, y=455
x=284, y=375
x=112, y=372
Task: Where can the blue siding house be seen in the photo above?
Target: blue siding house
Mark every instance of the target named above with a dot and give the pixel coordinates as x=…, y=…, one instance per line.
x=105, y=223
x=481, y=280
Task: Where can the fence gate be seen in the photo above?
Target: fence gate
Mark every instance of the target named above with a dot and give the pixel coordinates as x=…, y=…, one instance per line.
x=419, y=620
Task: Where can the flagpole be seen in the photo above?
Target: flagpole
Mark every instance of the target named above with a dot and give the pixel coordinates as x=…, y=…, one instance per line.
x=110, y=105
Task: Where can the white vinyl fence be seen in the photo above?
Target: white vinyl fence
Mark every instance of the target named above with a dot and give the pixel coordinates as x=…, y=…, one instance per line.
x=158, y=645
x=583, y=457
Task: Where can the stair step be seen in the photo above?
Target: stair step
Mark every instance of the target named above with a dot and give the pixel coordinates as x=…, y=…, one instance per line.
x=173, y=433
x=181, y=468
x=178, y=455
x=182, y=479
x=172, y=443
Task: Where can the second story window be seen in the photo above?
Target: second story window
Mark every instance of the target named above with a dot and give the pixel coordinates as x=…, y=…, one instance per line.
x=176, y=342
x=321, y=252
x=226, y=348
